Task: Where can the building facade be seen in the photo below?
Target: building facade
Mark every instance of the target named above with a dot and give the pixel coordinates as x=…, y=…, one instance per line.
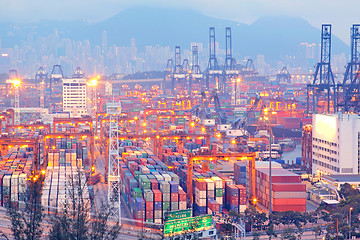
x=335, y=144
x=74, y=97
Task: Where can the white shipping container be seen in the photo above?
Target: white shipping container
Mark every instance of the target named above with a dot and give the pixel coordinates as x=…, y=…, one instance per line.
x=218, y=182
x=242, y=208
x=289, y=194
x=182, y=205
x=219, y=200
x=200, y=202
x=210, y=185
x=158, y=220
x=167, y=177
x=200, y=194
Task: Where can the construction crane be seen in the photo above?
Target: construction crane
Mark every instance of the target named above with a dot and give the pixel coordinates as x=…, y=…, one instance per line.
x=213, y=70
x=231, y=73
x=205, y=159
x=56, y=76
x=283, y=76
x=168, y=71
x=351, y=82
x=41, y=77
x=248, y=73
x=196, y=74
x=323, y=84
x=240, y=124
x=78, y=73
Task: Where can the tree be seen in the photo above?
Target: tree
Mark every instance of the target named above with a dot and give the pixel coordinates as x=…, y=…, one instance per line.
x=254, y=218
x=26, y=222
x=317, y=231
x=270, y=231
x=256, y=235
x=74, y=220
x=288, y=234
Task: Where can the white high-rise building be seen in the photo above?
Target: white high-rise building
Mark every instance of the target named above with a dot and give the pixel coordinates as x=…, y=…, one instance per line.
x=336, y=144
x=74, y=96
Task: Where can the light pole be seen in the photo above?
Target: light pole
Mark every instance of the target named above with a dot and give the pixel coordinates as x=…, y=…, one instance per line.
x=267, y=117
x=350, y=209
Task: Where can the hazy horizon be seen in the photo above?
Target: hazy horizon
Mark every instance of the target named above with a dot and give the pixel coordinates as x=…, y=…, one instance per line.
x=340, y=15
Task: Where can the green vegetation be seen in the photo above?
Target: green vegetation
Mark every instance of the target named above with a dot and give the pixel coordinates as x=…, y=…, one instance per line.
x=73, y=221
x=26, y=220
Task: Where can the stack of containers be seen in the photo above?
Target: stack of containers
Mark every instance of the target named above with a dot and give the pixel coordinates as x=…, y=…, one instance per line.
x=232, y=198
x=15, y=167
x=288, y=193
x=242, y=198
x=219, y=192
x=182, y=199
x=240, y=173
x=165, y=189
x=157, y=206
x=57, y=187
x=147, y=178
x=200, y=207
x=174, y=195
x=149, y=205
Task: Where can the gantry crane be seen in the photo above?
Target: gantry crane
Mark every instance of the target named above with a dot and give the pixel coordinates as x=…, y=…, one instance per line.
x=10, y=128
x=74, y=121
x=8, y=141
x=174, y=116
x=41, y=77
x=206, y=158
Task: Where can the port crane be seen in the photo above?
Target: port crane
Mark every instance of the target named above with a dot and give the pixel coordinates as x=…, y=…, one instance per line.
x=239, y=125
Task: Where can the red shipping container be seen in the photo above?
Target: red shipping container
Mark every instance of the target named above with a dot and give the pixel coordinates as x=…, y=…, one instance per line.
x=284, y=208
x=154, y=184
x=182, y=196
x=149, y=206
x=200, y=184
x=233, y=200
x=149, y=215
x=290, y=201
x=157, y=195
x=287, y=187
x=174, y=197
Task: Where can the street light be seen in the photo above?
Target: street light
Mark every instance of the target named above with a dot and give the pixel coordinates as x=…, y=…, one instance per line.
x=350, y=209
x=267, y=117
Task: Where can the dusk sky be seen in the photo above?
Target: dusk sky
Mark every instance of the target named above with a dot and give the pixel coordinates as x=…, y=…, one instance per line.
x=341, y=14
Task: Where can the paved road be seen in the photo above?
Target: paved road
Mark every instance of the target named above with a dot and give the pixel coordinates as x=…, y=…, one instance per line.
x=101, y=188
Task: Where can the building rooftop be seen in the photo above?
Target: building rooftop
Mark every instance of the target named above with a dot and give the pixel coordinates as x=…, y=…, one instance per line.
x=342, y=177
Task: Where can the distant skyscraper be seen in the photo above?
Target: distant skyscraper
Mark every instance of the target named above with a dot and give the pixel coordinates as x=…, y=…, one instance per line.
x=104, y=42
x=133, y=49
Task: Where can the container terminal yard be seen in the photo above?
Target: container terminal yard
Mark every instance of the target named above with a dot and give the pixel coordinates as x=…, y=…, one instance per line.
x=192, y=146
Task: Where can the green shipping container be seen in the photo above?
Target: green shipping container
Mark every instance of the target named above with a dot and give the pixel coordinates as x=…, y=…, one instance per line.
x=219, y=192
x=166, y=206
x=137, y=193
